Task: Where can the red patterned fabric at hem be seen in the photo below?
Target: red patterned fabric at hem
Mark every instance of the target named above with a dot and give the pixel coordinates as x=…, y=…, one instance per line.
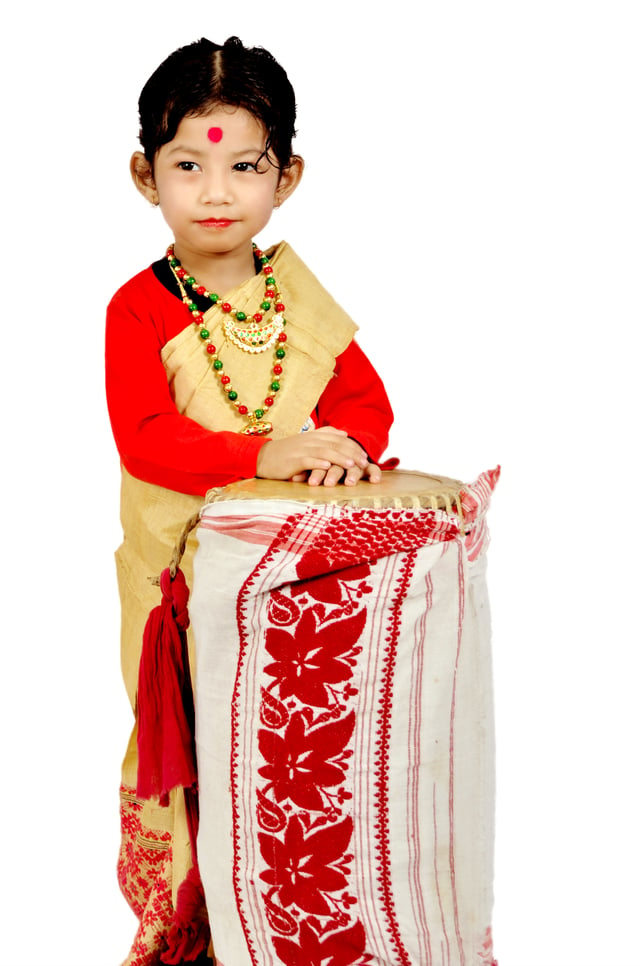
x=144, y=874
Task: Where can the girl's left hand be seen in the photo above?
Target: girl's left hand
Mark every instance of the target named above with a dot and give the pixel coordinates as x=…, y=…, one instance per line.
x=337, y=474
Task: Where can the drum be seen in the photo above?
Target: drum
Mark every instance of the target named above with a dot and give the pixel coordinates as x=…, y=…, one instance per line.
x=344, y=722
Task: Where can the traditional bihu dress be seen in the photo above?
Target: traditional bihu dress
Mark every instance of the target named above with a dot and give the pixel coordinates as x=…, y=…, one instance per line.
x=156, y=854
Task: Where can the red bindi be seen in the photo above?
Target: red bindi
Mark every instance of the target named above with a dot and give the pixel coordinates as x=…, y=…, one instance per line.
x=215, y=134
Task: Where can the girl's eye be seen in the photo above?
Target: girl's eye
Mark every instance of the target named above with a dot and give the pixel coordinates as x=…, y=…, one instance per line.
x=245, y=166
x=188, y=166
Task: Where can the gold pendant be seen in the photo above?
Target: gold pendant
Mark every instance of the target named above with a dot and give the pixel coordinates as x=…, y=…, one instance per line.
x=258, y=427
x=253, y=336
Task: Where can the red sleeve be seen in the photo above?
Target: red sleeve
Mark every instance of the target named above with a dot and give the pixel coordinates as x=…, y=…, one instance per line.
x=356, y=400
x=156, y=443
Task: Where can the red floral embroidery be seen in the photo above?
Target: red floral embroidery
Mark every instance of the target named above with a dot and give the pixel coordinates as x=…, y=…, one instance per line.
x=282, y=610
x=304, y=867
x=313, y=657
x=303, y=804
x=339, y=949
x=301, y=764
x=327, y=587
x=304, y=743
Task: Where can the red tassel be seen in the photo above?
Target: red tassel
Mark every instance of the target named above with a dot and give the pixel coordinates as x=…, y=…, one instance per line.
x=189, y=935
x=166, y=719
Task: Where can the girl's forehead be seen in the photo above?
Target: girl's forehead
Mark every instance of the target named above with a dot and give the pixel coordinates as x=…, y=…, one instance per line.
x=224, y=122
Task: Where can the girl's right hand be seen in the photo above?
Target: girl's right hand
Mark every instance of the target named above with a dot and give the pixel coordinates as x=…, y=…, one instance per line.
x=319, y=449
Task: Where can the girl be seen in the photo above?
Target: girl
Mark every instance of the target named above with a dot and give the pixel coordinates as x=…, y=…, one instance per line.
x=218, y=358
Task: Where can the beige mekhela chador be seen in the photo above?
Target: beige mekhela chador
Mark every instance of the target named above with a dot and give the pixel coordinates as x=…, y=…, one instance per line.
x=155, y=854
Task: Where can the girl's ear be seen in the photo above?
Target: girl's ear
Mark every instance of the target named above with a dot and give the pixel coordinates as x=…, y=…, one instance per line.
x=289, y=179
x=142, y=174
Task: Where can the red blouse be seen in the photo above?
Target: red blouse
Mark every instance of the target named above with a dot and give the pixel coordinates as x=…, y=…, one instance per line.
x=159, y=445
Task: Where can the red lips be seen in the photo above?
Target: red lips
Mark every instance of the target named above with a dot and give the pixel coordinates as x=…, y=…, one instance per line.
x=216, y=222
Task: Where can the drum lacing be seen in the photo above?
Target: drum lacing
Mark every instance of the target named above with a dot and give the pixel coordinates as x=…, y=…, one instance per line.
x=180, y=547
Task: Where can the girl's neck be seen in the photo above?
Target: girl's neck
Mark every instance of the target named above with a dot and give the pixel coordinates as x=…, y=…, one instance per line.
x=218, y=272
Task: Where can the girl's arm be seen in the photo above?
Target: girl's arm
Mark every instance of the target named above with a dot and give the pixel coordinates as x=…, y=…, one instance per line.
x=159, y=445
x=355, y=400
x=156, y=443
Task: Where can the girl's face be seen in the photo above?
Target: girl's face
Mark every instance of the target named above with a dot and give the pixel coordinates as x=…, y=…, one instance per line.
x=215, y=187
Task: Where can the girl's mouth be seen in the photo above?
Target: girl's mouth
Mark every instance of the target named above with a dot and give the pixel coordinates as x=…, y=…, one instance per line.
x=216, y=222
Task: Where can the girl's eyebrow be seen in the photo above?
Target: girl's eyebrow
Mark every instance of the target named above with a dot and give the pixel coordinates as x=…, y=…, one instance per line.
x=188, y=149
x=184, y=149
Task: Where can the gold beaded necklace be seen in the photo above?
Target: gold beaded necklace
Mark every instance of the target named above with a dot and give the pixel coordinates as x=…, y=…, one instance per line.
x=254, y=335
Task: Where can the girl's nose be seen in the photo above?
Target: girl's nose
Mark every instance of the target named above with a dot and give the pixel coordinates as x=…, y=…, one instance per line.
x=216, y=188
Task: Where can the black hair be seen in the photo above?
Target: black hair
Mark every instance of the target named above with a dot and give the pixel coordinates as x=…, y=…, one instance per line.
x=196, y=78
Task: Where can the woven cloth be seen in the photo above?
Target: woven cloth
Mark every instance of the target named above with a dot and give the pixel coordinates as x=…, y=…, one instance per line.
x=345, y=733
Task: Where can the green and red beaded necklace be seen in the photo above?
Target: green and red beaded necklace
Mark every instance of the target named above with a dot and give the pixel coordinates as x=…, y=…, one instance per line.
x=253, y=334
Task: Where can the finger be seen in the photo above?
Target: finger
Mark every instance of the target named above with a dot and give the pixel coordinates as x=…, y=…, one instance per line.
x=332, y=456
x=360, y=455
x=343, y=453
x=334, y=475
x=316, y=477
x=348, y=448
x=353, y=476
x=374, y=473
x=299, y=478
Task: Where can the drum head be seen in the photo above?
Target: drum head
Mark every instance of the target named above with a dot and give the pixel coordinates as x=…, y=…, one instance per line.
x=398, y=488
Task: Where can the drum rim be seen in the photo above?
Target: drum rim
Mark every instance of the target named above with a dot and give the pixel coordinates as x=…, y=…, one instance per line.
x=443, y=492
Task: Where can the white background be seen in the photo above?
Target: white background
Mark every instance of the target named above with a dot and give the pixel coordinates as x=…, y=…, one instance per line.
x=471, y=197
